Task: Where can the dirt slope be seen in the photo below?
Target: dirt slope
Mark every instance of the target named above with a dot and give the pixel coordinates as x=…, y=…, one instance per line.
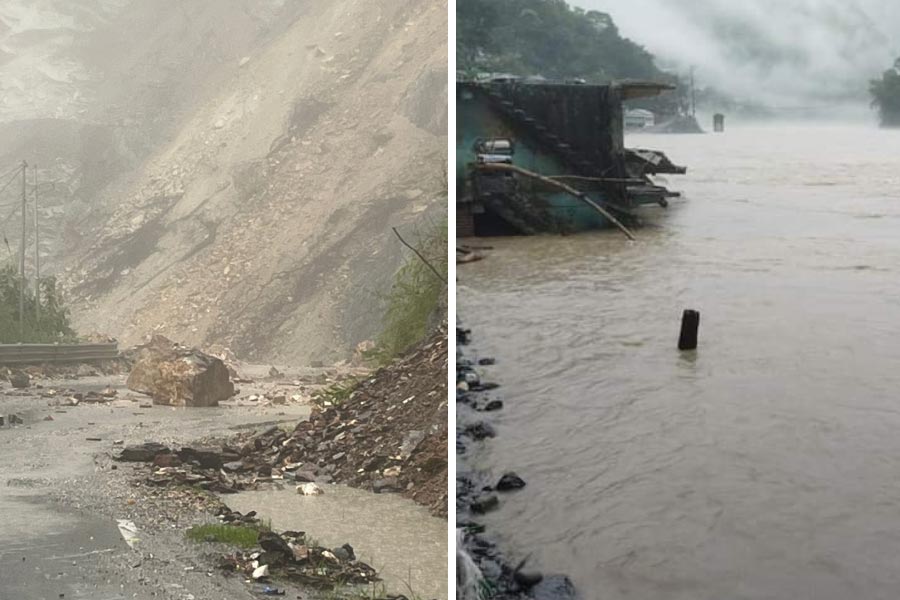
x=237, y=166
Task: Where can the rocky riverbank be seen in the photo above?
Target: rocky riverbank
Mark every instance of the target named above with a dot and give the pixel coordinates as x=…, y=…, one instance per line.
x=484, y=570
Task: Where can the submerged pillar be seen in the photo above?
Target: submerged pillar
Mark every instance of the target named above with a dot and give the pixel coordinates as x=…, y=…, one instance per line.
x=718, y=122
x=690, y=323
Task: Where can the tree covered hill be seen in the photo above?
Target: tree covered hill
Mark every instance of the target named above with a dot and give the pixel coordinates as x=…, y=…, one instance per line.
x=551, y=39
x=886, y=95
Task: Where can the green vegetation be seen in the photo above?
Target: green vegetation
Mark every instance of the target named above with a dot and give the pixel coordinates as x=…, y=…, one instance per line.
x=551, y=39
x=51, y=326
x=241, y=536
x=417, y=301
x=886, y=96
x=336, y=393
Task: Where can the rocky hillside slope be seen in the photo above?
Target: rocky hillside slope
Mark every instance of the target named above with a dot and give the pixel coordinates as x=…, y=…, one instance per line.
x=228, y=171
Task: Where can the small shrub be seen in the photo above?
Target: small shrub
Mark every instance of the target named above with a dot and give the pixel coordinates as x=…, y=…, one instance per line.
x=417, y=300
x=241, y=536
x=52, y=325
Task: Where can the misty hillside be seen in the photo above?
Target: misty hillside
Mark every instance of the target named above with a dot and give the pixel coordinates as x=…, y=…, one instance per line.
x=227, y=171
x=782, y=53
x=551, y=39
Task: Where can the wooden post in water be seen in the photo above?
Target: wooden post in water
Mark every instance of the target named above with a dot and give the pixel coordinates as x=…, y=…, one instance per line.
x=718, y=122
x=690, y=322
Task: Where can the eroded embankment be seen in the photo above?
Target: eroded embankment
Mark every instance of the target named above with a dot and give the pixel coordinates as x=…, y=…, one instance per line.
x=483, y=569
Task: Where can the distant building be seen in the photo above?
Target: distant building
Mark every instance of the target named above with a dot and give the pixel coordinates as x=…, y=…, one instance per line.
x=638, y=118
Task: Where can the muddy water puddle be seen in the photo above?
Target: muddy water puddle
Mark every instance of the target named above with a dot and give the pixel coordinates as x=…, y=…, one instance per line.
x=399, y=538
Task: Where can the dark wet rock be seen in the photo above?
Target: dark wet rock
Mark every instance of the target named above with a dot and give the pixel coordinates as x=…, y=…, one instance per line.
x=479, y=431
x=484, y=504
x=19, y=380
x=510, y=481
x=304, y=476
x=486, y=361
x=344, y=553
x=273, y=543
x=527, y=579
x=492, y=405
x=166, y=460
x=232, y=516
x=554, y=587
x=485, y=386
x=205, y=457
x=142, y=452
x=386, y=485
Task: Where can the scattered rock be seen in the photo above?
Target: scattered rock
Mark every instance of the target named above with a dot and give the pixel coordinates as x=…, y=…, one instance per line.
x=392, y=472
x=344, y=553
x=387, y=484
x=483, y=504
x=309, y=489
x=260, y=572
x=527, y=579
x=19, y=380
x=554, y=587
x=86, y=371
x=492, y=405
x=146, y=452
x=479, y=431
x=510, y=481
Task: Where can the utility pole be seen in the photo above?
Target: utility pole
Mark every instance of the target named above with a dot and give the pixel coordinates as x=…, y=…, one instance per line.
x=37, y=253
x=22, y=251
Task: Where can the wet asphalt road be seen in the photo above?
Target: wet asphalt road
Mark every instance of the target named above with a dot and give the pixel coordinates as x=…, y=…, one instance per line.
x=59, y=498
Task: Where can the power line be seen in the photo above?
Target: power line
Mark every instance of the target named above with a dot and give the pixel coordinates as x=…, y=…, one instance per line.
x=16, y=170
x=11, y=179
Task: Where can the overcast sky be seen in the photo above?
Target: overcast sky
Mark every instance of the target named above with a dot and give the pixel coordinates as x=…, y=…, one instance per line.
x=813, y=46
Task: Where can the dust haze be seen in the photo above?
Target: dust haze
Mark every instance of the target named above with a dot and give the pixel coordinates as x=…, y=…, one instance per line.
x=227, y=171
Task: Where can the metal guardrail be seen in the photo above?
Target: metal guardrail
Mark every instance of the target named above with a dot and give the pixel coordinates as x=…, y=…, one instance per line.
x=33, y=354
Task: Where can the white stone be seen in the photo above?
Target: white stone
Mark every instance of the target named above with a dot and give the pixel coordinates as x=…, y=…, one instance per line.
x=309, y=489
x=261, y=571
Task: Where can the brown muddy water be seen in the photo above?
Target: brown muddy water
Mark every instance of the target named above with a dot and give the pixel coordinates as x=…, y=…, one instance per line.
x=767, y=464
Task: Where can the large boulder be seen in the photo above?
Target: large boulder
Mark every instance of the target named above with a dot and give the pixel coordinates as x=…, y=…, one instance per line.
x=175, y=375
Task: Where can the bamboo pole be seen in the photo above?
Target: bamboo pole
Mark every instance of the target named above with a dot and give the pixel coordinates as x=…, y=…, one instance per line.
x=599, y=179
x=562, y=186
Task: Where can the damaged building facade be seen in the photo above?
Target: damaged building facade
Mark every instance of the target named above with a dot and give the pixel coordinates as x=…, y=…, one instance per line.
x=534, y=157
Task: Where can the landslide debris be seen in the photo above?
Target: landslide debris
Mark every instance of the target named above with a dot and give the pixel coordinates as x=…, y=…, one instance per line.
x=291, y=556
x=389, y=434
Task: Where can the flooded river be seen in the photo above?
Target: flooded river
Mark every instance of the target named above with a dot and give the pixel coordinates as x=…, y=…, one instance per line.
x=767, y=464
